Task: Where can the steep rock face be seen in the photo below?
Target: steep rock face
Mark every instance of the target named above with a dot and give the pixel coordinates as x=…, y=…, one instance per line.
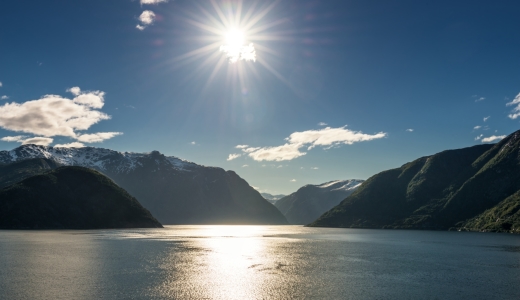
x=175, y=191
x=71, y=198
x=311, y=201
x=436, y=192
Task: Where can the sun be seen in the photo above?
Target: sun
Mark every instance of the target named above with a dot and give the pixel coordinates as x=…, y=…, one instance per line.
x=234, y=38
x=233, y=32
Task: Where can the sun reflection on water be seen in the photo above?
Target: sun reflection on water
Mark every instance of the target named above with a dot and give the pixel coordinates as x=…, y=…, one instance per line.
x=228, y=262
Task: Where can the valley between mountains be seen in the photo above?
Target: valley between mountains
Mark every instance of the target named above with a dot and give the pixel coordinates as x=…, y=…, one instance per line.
x=475, y=188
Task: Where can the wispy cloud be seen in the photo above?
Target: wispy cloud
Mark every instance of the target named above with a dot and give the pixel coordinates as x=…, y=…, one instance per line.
x=293, y=180
x=54, y=115
x=1, y=84
x=245, y=166
x=44, y=141
x=477, y=127
x=18, y=138
x=152, y=1
x=146, y=18
x=480, y=99
x=409, y=129
x=479, y=137
x=314, y=168
x=193, y=143
x=233, y=156
x=515, y=113
x=322, y=124
x=97, y=137
x=4, y=97
x=70, y=145
x=326, y=137
x=493, y=138
x=486, y=118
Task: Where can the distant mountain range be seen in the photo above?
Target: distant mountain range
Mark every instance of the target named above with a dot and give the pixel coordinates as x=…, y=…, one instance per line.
x=173, y=190
x=272, y=198
x=311, y=201
x=52, y=197
x=475, y=188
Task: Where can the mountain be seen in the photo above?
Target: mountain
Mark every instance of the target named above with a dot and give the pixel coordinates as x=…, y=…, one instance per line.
x=311, y=201
x=175, y=191
x=17, y=171
x=441, y=191
x=272, y=198
x=71, y=198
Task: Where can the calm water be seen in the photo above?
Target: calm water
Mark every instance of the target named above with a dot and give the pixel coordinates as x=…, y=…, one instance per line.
x=258, y=262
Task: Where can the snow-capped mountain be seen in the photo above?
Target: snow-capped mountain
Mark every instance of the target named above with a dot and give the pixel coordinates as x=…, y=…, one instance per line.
x=174, y=190
x=90, y=157
x=311, y=201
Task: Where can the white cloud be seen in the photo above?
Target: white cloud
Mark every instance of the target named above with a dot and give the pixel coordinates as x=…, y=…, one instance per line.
x=43, y=141
x=322, y=124
x=480, y=99
x=314, y=168
x=70, y=145
x=53, y=115
x=515, y=113
x=245, y=166
x=486, y=118
x=233, y=156
x=409, y=129
x=152, y=1
x=1, y=84
x=18, y=138
x=479, y=137
x=241, y=146
x=280, y=153
x=293, y=180
x=97, y=137
x=147, y=17
x=4, y=97
x=331, y=136
x=311, y=138
x=193, y=143
x=477, y=127
x=493, y=138
x=74, y=90
x=140, y=27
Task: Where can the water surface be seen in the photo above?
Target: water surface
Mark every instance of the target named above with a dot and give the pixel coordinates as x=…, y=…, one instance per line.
x=258, y=262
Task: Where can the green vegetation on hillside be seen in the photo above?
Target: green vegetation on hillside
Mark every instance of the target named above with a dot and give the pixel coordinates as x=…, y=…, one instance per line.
x=441, y=191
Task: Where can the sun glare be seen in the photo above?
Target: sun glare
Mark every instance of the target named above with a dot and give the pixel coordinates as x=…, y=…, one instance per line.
x=235, y=48
x=232, y=31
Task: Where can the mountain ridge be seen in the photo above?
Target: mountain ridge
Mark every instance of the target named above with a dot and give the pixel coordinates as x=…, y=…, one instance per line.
x=174, y=190
x=446, y=190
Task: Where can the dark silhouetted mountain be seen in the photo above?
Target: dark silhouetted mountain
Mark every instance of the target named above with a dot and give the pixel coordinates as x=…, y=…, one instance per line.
x=12, y=173
x=311, y=201
x=175, y=191
x=441, y=191
x=71, y=198
x=272, y=198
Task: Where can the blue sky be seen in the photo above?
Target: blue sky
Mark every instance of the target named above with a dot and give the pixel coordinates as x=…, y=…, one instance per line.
x=337, y=90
